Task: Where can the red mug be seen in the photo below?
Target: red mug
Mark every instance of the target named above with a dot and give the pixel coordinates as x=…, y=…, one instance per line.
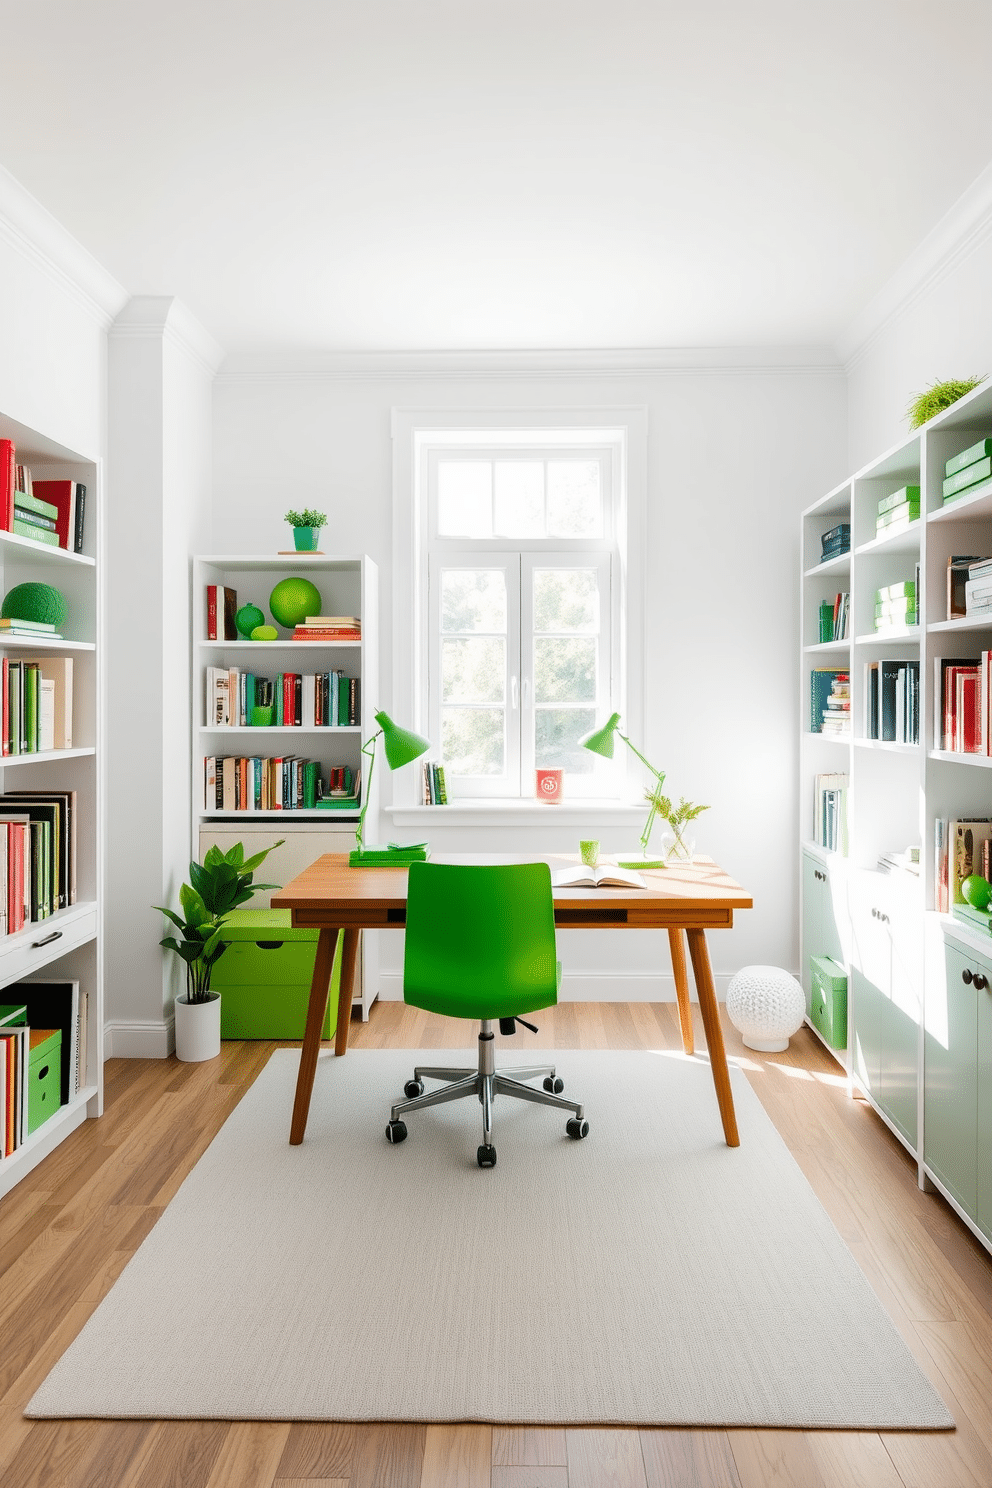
x=549, y=785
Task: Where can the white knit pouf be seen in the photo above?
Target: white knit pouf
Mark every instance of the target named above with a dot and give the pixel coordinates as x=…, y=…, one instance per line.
x=766, y=1005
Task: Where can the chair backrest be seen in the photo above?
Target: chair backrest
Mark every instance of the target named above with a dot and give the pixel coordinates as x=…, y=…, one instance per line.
x=480, y=939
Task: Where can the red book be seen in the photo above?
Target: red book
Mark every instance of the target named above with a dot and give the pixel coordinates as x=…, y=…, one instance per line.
x=288, y=698
x=63, y=495
x=968, y=705
x=211, y=612
x=8, y=483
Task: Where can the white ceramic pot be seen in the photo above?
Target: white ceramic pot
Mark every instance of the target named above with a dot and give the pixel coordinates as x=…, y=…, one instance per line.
x=198, y=1029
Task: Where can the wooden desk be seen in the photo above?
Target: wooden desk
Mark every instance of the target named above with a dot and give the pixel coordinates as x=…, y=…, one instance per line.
x=331, y=896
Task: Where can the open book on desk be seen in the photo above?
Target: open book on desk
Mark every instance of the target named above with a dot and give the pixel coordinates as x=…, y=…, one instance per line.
x=606, y=875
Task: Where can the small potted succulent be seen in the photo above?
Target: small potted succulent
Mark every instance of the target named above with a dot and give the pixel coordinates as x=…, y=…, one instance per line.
x=306, y=525
x=218, y=885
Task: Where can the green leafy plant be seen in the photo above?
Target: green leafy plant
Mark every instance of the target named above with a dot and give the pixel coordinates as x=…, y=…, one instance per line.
x=306, y=518
x=926, y=405
x=218, y=885
x=677, y=817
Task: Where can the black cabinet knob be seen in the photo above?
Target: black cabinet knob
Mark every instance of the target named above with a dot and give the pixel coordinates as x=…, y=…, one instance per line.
x=981, y=982
x=966, y=976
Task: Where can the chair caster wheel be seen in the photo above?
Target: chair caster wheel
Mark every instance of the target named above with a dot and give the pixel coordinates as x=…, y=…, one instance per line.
x=413, y=1088
x=396, y=1131
x=577, y=1128
x=486, y=1157
x=554, y=1085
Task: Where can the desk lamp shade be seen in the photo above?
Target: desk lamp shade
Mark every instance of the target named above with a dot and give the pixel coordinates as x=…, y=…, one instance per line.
x=601, y=741
x=402, y=746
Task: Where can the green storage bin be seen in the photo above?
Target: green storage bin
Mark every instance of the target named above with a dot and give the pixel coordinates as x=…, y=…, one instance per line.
x=264, y=977
x=828, y=1010
x=44, y=1075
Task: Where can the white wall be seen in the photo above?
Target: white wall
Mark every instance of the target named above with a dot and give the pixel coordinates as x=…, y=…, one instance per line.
x=734, y=455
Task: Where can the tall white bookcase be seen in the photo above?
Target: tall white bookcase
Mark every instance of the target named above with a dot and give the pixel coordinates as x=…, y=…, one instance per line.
x=919, y=1005
x=347, y=586
x=67, y=945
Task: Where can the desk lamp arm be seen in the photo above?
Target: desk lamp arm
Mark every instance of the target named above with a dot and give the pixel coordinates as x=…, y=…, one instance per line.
x=368, y=749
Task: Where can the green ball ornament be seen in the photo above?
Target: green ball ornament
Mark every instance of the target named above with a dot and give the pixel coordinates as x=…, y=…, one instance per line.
x=265, y=633
x=248, y=618
x=39, y=602
x=292, y=600
x=977, y=891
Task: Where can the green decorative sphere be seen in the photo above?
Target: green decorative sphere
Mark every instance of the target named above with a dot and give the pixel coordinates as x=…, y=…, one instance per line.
x=39, y=602
x=265, y=633
x=977, y=891
x=248, y=618
x=292, y=600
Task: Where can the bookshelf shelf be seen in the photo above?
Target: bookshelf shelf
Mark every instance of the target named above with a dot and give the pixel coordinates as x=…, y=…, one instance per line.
x=837, y=565
x=65, y=945
x=888, y=931
x=828, y=647
x=347, y=586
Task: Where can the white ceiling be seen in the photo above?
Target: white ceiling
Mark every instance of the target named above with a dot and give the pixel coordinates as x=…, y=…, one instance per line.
x=450, y=174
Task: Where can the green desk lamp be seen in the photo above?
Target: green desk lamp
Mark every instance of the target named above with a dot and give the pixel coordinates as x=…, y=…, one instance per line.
x=402, y=746
x=601, y=741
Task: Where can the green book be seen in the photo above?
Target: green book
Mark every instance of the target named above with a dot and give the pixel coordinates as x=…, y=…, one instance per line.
x=908, y=511
x=43, y=508
x=905, y=493
x=981, y=919
x=905, y=587
x=970, y=456
x=344, y=701
x=311, y=769
x=278, y=701
x=38, y=534
x=962, y=479
x=31, y=675
x=826, y=621
x=390, y=855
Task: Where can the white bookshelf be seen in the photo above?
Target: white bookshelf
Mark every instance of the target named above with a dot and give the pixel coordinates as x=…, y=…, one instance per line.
x=68, y=944
x=898, y=952
x=347, y=586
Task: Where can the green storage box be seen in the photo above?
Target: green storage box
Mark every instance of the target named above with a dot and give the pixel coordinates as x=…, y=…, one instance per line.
x=828, y=1010
x=264, y=977
x=44, y=1075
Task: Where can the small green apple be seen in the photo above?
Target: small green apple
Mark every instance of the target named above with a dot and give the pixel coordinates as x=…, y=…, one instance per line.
x=265, y=633
x=977, y=891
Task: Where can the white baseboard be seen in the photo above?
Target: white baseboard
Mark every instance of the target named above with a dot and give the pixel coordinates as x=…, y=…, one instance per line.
x=144, y=1040
x=638, y=986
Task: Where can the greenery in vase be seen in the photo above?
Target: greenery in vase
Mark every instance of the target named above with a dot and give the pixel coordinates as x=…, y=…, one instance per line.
x=926, y=405
x=306, y=518
x=677, y=817
x=218, y=885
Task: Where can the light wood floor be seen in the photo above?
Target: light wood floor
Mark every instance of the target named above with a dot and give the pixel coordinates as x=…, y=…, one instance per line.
x=67, y=1231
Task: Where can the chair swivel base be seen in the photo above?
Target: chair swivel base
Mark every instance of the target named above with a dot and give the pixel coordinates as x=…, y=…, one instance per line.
x=486, y=1082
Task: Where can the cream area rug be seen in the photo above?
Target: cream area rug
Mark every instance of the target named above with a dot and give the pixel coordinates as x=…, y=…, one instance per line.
x=646, y=1275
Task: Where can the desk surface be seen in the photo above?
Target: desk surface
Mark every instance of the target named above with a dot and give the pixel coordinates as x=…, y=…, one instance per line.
x=701, y=894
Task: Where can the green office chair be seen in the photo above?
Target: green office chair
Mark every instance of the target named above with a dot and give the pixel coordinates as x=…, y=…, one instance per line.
x=480, y=943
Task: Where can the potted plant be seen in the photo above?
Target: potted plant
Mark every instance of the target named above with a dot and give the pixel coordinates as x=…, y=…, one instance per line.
x=306, y=525
x=218, y=885
x=677, y=847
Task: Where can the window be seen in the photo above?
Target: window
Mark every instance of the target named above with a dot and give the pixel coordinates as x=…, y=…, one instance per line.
x=520, y=611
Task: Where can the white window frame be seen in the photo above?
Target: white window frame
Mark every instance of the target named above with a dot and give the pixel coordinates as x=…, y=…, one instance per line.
x=418, y=432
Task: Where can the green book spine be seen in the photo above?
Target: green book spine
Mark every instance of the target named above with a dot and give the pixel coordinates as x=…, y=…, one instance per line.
x=35, y=504
x=249, y=695
x=909, y=511
x=38, y=534
x=442, y=790
x=906, y=493
x=14, y=708
x=970, y=456
x=31, y=518
x=31, y=709
x=310, y=784
x=962, y=479
x=826, y=621
x=344, y=698
x=278, y=701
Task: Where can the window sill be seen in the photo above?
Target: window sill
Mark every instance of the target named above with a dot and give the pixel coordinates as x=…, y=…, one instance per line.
x=496, y=812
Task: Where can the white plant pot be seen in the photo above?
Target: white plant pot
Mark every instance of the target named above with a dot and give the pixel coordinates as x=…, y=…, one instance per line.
x=198, y=1029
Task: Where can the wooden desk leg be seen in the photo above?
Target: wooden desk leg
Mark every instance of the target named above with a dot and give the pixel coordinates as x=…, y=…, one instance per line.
x=320, y=990
x=682, y=988
x=349, y=960
x=714, y=1033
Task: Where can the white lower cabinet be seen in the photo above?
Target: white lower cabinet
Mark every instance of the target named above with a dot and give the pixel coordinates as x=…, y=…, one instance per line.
x=885, y=1006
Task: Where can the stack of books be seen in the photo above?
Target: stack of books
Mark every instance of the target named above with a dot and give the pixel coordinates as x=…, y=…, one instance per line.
x=826, y=684
x=835, y=615
x=971, y=468
x=435, y=792
x=978, y=588
x=895, y=606
x=898, y=509
x=46, y=511
x=329, y=628
x=35, y=630
x=261, y=783
x=34, y=518
x=835, y=542
x=345, y=790
x=901, y=860
x=830, y=812
x=892, y=701
x=294, y=699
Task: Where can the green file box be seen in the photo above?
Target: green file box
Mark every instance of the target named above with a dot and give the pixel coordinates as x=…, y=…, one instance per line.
x=44, y=1075
x=828, y=1010
x=264, y=977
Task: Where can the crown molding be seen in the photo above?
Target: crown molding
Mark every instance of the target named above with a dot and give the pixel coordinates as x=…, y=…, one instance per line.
x=284, y=367
x=169, y=319
x=961, y=230
x=31, y=229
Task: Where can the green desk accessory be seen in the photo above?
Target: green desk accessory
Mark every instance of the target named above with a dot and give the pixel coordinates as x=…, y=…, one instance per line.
x=601, y=741
x=402, y=746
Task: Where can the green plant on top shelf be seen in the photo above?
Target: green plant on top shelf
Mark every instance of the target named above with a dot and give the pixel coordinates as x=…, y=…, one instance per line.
x=927, y=405
x=306, y=518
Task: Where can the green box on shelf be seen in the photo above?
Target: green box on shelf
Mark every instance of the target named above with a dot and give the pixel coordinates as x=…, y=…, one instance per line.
x=978, y=919
x=828, y=1001
x=264, y=977
x=44, y=1075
